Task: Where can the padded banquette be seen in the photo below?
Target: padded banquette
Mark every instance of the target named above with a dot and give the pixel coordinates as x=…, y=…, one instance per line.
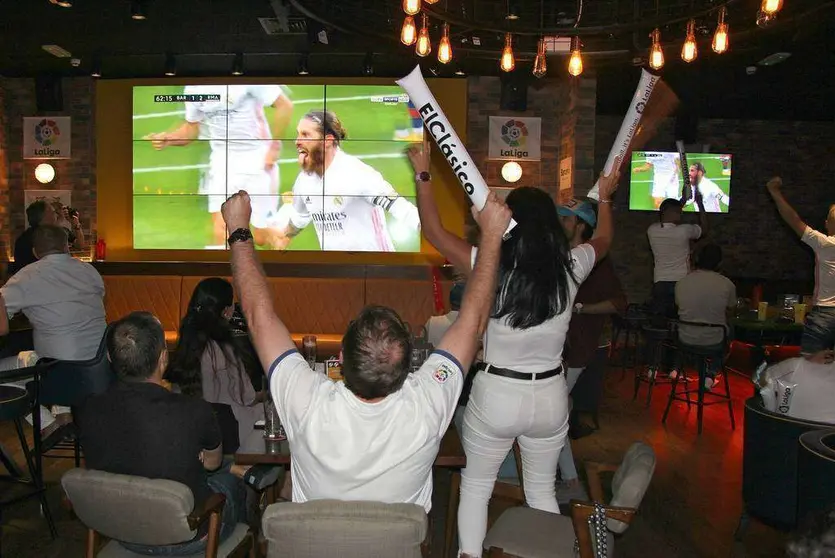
x=307, y=305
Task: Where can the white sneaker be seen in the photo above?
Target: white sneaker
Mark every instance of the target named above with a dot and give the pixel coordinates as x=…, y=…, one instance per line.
x=651, y=373
x=709, y=383
x=673, y=374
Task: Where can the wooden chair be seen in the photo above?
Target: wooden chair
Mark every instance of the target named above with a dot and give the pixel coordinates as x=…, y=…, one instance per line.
x=149, y=512
x=528, y=533
x=345, y=529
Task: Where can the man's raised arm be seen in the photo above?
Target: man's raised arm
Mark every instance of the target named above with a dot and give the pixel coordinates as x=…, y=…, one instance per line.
x=269, y=335
x=788, y=214
x=462, y=338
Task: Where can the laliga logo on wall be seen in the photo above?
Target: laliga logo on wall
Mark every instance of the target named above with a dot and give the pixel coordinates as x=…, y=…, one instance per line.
x=515, y=136
x=46, y=134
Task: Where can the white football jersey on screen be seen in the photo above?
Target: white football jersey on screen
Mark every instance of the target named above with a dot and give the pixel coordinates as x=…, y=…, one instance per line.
x=348, y=206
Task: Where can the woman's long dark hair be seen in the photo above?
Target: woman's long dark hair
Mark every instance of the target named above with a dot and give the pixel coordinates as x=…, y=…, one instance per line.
x=535, y=266
x=203, y=324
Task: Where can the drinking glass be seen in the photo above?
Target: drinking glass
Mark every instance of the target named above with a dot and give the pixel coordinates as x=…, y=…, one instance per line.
x=272, y=422
x=309, y=349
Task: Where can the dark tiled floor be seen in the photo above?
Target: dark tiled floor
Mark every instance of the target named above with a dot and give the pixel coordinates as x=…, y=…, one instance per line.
x=690, y=510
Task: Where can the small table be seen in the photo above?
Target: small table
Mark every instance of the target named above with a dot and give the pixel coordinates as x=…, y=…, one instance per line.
x=256, y=450
x=760, y=333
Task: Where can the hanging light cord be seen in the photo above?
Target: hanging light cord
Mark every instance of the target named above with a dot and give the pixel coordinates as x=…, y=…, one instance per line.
x=579, y=14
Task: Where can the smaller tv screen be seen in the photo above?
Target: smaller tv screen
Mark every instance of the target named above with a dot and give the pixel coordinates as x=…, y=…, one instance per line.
x=657, y=175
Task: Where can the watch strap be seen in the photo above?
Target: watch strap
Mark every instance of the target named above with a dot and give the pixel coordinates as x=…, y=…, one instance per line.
x=239, y=235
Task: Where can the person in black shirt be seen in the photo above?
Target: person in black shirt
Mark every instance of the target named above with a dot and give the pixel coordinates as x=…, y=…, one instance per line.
x=42, y=213
x=140, y=428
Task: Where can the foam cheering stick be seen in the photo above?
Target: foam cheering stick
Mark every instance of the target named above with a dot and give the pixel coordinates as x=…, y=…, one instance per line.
x=447, y=140
x=652, y=102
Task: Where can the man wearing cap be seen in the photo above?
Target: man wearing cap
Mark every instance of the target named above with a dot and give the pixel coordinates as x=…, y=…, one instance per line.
x=598, y=297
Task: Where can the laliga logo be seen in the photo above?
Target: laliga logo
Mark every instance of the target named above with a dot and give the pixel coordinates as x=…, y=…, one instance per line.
x=515, y=135
x=46, y=133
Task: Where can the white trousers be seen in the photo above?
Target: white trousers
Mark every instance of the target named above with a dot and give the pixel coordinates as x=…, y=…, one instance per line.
x=534, y=412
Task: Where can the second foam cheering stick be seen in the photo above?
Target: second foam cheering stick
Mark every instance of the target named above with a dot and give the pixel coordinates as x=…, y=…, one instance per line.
x=447, y=140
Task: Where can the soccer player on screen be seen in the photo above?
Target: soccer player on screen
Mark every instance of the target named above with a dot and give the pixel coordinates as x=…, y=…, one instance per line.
x=711, y=192
x=665, y=177
x=344, y=198
x=244, y=154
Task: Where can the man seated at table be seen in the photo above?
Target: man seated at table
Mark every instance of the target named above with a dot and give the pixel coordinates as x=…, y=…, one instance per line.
x=62, y=297
x=374, y=436
x=140, y=428
x=704, y=296
x=814, y=376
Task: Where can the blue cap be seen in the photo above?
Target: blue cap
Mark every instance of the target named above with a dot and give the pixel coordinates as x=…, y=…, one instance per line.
x=579, y=208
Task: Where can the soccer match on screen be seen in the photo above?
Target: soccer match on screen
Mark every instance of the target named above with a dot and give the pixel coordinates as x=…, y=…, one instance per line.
x=658, y=175
x=325, y=166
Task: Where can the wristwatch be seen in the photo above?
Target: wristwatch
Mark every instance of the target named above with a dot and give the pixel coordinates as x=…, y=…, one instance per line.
x=423, y=176
x=578, y=308
x=239, y=235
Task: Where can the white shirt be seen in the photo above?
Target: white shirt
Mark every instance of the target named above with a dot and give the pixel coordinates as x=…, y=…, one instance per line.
x=235, y=123
x=824, y=248
x=815, y=389
x=704, y=296
x=538, y=348
x=347, y=449
x=670, y=245
x=348, y=206
x=436, y=326
x=63, y=299
x=663, y=164
x=711, y=193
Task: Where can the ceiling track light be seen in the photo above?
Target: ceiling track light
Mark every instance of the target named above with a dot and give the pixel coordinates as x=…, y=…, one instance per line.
x=690, y=49
x=720, y=37
x=238, y=64
x=170, y=65
x=445, y=47
x=656, y=53
x=61, y=3
x=137, y=10
x=512, y=10
x=508, y=61
x=424, y=43
x=95, y=69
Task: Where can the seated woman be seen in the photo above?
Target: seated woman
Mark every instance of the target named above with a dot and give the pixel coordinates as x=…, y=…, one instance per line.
x=210, y=362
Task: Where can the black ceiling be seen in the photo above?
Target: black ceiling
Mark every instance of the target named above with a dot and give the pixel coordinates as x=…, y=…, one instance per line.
x=205, y=34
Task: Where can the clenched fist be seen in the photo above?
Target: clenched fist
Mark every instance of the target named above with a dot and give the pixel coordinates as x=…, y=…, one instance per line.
x=237, y=211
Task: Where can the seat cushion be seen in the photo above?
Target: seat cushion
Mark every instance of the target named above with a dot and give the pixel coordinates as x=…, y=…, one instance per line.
x=158, y=294
x=114, y=550
x=530, y=533
x=631, y=480
x=345, y=529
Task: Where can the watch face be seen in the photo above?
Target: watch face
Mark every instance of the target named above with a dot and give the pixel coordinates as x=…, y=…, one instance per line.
x=424, y=176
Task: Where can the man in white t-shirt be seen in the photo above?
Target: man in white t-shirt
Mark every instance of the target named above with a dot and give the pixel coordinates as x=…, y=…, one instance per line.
x=670, y=243
x=666, y=170
x=376, y=435
x=815, y=379
x=437, y=326
x=704, y=296
x=711, y=193
x=244, y=154
x=819, y=330
x=345, y=199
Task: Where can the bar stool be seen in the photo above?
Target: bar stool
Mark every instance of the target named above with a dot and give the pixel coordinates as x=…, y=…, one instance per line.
x=629, y=325
x=15, y=404
x=701, y=359
x=657, y=339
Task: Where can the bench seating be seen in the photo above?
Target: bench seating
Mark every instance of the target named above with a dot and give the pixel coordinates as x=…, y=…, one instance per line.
x=307, y=305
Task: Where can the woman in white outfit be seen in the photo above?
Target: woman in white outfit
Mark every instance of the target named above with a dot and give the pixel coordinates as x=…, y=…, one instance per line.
x=520, y=392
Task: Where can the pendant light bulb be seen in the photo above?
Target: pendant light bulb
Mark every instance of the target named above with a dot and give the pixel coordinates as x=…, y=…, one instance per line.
x=575, y=63
x=720, y=37
x=656, y=53
x=540, y=63
x=771, y=7
x=411, y=7
x=508, y=61
x=690, y=50
x=424, y=44
x=445, y=47
x=408, y=33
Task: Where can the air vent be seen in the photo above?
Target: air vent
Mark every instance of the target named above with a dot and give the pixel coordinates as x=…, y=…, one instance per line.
x=271, y=26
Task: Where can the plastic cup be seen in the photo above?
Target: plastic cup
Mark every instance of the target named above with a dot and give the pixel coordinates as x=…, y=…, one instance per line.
x=762, y=311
